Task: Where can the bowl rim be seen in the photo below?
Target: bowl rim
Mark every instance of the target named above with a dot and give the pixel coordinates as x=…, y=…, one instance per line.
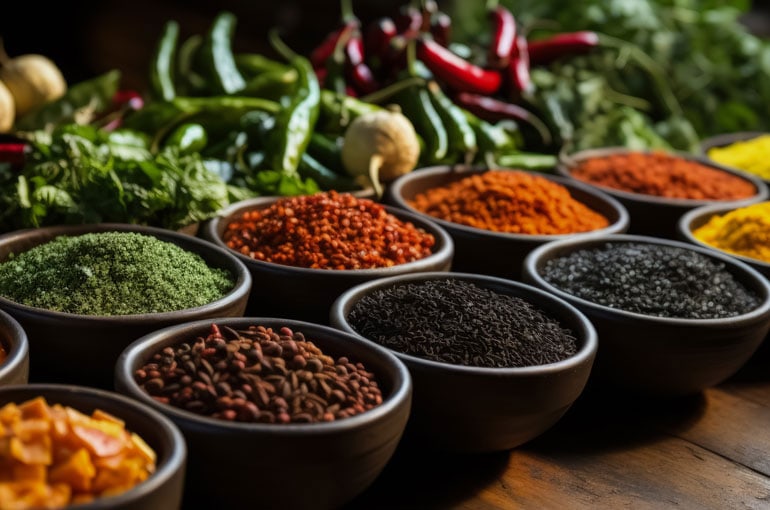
x=177, y=455
x=724, y=139
x=706, y=212
x=444, y=241
x=567, y=161
x=240, y=290
x=394, y=192
x=544, y=253
x=400, y=393
x=19, y=351
x=586, y=352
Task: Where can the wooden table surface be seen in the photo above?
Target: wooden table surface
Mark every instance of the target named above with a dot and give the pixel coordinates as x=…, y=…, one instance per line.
x=707, y=451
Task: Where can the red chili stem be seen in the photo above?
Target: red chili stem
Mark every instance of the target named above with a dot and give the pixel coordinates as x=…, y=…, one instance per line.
x=456, y=72
x=494, y=110
x=547, y=50
x=504, y=37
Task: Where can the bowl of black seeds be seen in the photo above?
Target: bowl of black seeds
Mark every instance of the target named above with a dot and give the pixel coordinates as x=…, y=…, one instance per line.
x=276, y=413
x=494, y=362
x=82, y=293
x=673, y=319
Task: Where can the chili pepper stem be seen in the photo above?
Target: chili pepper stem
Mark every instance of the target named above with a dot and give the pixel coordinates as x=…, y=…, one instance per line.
x=386, y=93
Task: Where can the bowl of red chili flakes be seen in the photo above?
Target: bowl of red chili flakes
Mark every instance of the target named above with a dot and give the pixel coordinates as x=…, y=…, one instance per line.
x=497, y=216
x=657, y=187
x=304, y=251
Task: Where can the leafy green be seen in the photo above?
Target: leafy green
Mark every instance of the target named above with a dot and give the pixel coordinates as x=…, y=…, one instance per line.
x=80, y=174
x=697, y=51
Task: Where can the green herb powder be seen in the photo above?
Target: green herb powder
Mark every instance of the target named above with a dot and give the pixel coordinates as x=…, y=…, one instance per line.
x=111, y=273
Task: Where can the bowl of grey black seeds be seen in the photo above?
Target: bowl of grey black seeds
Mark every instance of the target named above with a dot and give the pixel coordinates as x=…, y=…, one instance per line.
x=495, y=363
x=673, y=319
x=276, y=413
x=82, y=293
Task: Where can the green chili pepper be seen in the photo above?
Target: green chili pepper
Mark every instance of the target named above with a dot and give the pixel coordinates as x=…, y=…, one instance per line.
x=309, y=167
x=527, y=161
x=162, y=71
x=188, y=138
x=339, y=110
x=272, y=84
x=326, y=150
x=295, y=123
x=492, y=138
x=416, y=104
x=189, y=81
x=462, y=138
x=253, y=64
x=218, y=57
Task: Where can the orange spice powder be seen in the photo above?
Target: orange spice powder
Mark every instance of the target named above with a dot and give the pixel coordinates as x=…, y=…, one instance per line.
x=664, y=175
x=512, y=202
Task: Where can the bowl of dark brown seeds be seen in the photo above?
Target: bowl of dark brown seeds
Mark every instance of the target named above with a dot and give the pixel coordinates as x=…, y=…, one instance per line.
x=277, y=413
x=495, y=363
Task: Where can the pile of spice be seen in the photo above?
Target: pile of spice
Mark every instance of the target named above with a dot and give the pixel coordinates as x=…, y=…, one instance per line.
x=111, y=273
x=651, y=279
x=455, y=321
x=509, y=201
x=56, y=456
x=749, y=156
x=327, y=230
x=744, y=231
x=258, y=375
x=664, y=175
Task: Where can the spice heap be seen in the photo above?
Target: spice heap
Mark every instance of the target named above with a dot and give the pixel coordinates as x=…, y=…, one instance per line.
x=56, y=456
x=511, y=202
x=651, y=279
x=744, y=231
x=258, y=375
x=458, y=322
x=750, y=156
x=111, y=273
x=663, y=175
x=327, y=231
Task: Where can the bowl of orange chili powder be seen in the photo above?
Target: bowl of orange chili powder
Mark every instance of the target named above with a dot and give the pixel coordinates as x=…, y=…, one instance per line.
x=658, y=187
x=496, y=217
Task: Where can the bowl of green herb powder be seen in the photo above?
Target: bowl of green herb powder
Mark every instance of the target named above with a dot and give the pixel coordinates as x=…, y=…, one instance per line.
x=84, y=292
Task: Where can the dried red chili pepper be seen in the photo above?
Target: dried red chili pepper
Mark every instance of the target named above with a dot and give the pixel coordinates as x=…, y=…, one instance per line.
x=495, y=110
x=357, y=71
x=568, y=43
x=518, y=67
x=409, y=22
x=455, y=71
x=441, y=28
x=321, y=53
x=378, y=36
x=504, y=38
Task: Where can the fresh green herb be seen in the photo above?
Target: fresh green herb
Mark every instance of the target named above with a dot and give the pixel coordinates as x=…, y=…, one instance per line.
x=111, y=273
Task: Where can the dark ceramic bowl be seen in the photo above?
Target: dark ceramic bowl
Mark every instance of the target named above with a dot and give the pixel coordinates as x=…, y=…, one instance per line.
x=163, y=490
x=478, y=409
x=662, y=356
x=15, y=368
x=296, y=466
x=306, y=294
x=82, y=349
x=728, y=139
x=653, y=215
x=497, y=253
x=696, y=218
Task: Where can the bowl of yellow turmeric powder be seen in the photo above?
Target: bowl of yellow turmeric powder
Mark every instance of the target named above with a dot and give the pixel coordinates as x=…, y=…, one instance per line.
x=740, y=231
x=746, y=151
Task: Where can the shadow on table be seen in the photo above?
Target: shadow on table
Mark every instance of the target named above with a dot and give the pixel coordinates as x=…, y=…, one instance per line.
x=416, y=478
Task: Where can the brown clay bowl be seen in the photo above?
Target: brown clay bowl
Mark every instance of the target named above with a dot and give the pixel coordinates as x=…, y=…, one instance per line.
x=70, y=348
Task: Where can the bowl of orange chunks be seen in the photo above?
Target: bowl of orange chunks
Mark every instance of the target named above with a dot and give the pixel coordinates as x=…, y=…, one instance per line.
x=78, y=447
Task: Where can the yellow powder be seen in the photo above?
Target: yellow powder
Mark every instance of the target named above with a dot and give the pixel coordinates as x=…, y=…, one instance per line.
x=752, y=156
x=744, y=231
